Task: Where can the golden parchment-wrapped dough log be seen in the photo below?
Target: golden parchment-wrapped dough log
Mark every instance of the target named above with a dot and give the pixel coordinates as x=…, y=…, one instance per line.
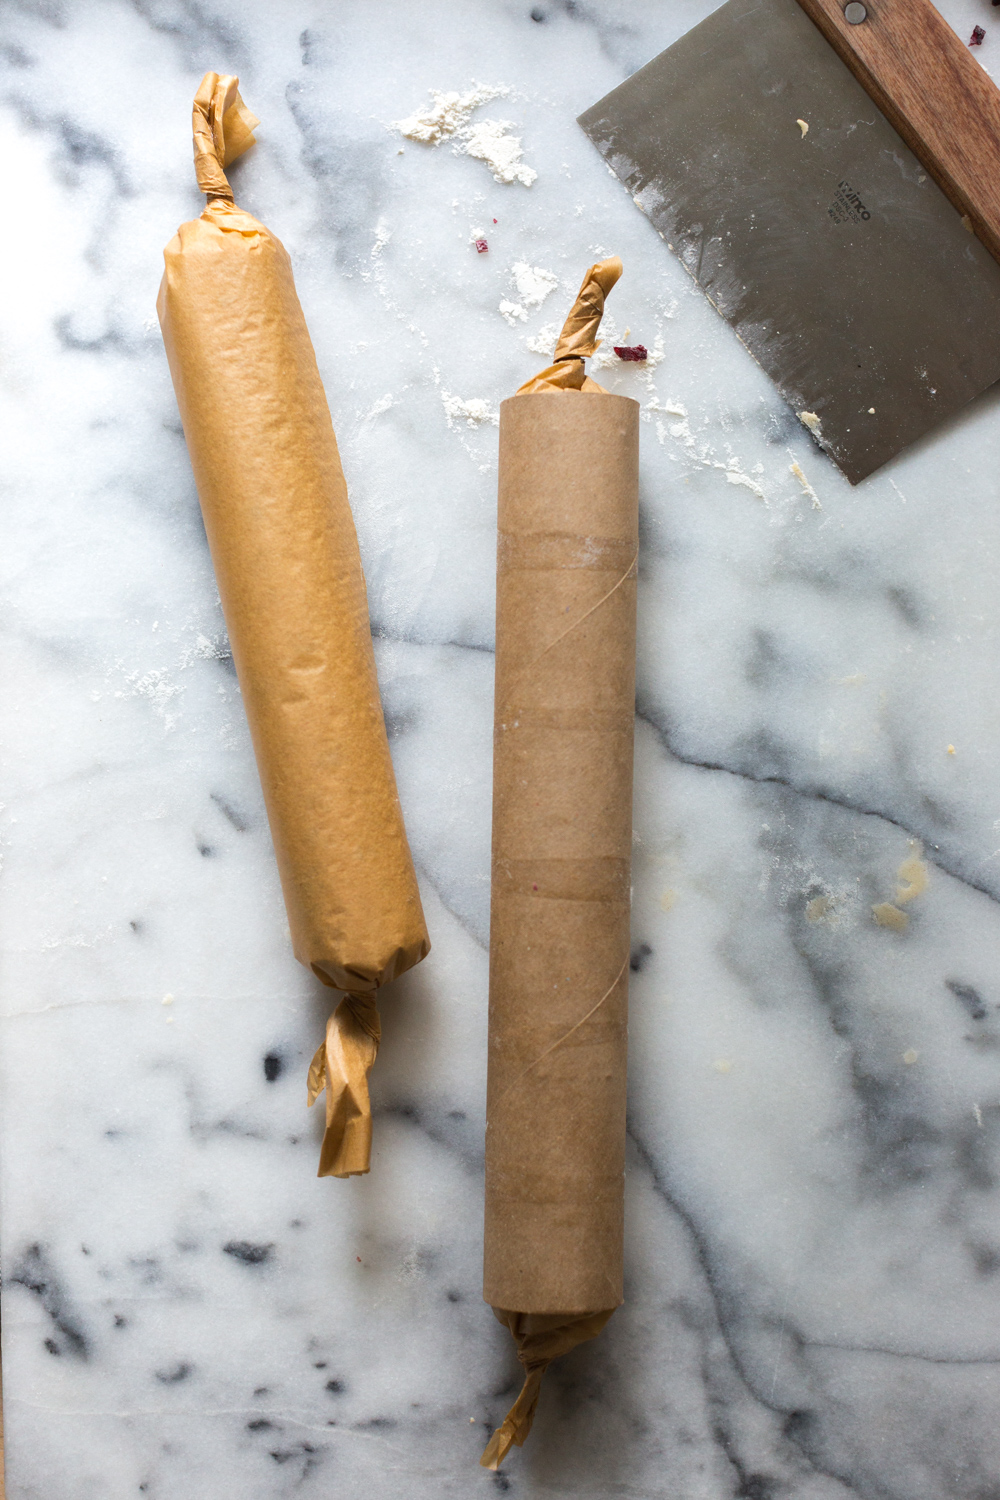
x=286, y=558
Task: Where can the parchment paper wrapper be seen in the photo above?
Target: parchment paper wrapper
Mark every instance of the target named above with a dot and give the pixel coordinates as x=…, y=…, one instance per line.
x=286, y=559
x=562, y=839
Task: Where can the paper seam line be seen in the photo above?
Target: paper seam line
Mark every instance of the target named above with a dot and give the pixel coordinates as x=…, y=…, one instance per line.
x=565, y=1037
x=577, y=623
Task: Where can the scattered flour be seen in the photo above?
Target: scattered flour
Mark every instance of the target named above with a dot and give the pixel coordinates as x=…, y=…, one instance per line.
x=157, y=687
x=383, y=234
x=533, y=284
x=381, y=405
x=736, y=476
x=513, y=312
x=473, y=412
x=205, y=650
x=449, y=114
x=489, y=141
x=544, y=341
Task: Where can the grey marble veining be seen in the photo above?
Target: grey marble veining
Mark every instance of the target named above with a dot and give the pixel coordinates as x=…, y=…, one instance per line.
x=813, y=1236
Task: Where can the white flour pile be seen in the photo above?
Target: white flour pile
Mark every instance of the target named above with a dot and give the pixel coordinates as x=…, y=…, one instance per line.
x=473, y=412
x=488, y=141
x=533, y=285
x=450, y=116
x=544, y=341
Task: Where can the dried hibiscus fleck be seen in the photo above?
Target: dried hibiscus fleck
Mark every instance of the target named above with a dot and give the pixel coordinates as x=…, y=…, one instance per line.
x=482, y=246
x=636, y=353
x=978, y=37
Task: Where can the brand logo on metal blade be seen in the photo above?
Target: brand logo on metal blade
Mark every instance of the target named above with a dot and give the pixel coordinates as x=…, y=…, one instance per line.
x=847, y=206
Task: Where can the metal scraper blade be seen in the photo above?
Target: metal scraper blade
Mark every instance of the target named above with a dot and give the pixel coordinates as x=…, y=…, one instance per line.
x=839, y=262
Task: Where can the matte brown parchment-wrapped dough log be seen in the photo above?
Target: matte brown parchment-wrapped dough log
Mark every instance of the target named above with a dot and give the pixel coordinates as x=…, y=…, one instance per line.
x=562, y=842
x=286, y=559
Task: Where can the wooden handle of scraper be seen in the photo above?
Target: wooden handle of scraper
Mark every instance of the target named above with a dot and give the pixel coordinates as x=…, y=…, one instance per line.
x=927, y=81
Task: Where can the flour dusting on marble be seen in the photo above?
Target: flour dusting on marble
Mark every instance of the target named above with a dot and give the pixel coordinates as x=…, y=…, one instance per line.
x=490, y=141
x=473, y=413
x=532, y=285
x=544, y=341
x=449, y=114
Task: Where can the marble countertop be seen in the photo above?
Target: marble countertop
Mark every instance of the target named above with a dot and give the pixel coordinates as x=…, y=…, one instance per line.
x=813, y=1256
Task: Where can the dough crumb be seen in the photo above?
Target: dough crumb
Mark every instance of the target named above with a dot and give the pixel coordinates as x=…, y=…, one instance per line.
x=668, y=900
x=804, y=127
x=910, y=1057
x=951, y=750
x=912, y=876
x=811, y=420
x=887, y=915
x=723, y=1065
x=807, y=489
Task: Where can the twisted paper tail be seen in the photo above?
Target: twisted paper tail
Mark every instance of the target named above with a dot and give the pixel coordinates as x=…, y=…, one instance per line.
x=540, y=1339
x=223, y=129
x=517, y=1423
x=578, y=340
x=341, y=1066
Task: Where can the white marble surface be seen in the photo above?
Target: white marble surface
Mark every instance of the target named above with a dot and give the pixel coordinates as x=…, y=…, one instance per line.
x=813, y=1239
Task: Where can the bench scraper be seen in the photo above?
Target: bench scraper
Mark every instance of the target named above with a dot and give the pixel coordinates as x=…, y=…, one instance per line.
x=850, y=256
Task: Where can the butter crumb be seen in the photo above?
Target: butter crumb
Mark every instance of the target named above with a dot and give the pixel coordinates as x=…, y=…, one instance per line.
x=167, y=1000
x=804, y=127
x=668, y=900
x=910, y=1057
x=887, y=915
x=951, y=749
x=723, y=1065
x=912, y=876
x=807, y=489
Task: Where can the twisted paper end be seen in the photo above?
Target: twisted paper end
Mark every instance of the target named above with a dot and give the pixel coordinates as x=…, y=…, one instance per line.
x=223, y=129
x=341, y=1066
x=540, y=1339
x=578, y=340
